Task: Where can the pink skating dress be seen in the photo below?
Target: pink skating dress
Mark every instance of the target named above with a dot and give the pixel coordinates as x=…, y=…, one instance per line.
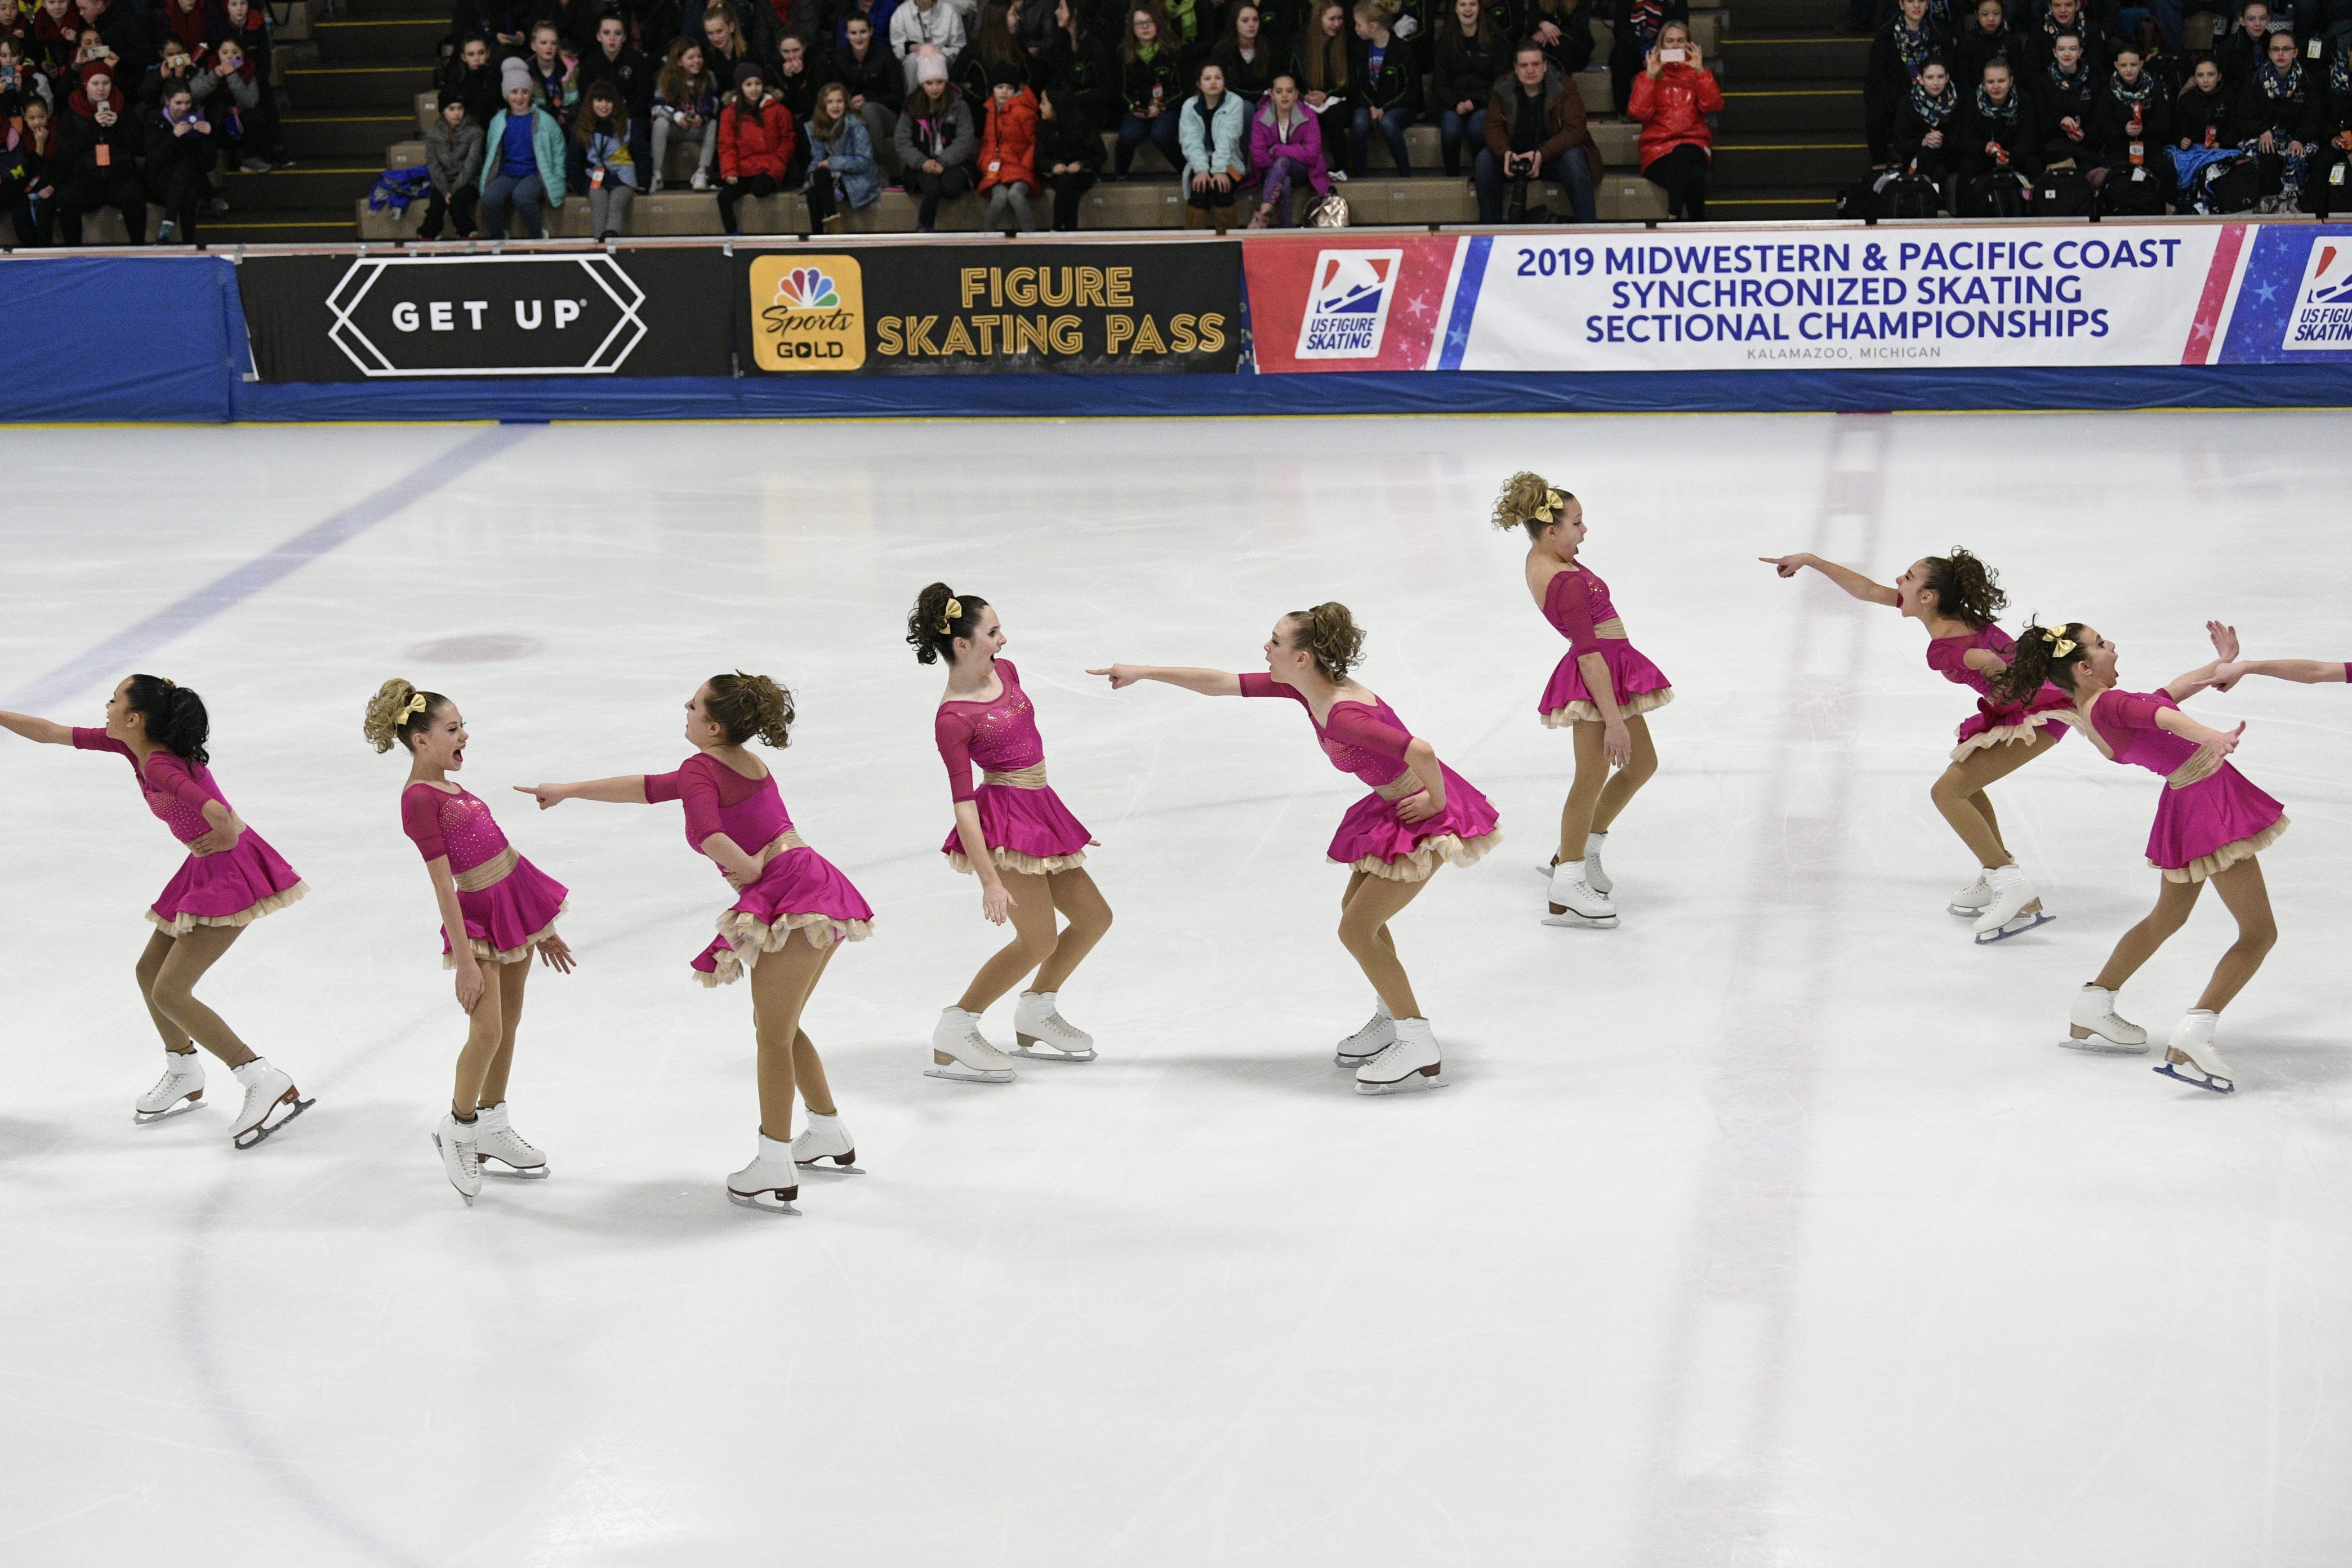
x=1022, y=820
x=2212, y=816
x=1370, y=741
x=509, y=903
x=1576, y=603
x=1997, y=723
x=231, y=887
x=797, y=889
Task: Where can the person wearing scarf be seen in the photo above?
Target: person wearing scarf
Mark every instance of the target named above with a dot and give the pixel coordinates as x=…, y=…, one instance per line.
x=2068, y=16
x=2285, y=117
x=1896, y=56
x=2331, y=160
x=1927, y=127
x=1998, y=140
x=2066, y=86
x=2130, y=112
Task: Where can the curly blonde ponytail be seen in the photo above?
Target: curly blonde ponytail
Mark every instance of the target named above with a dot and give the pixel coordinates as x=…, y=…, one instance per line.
x=1528, y=501
x=398, y=711
x=752, y=707
x=1331, y=635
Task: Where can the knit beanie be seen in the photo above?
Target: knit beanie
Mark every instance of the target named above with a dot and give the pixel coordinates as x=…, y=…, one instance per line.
x=512, y=75
x=747, y=71
x=930, y=68
x=1004, y=75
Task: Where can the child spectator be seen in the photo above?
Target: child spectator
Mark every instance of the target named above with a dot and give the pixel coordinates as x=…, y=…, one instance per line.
x=935, y=140
x=1245, y=56
x=28, y=174
x=1082, y=62
x=876, y=84
x=611, y=59
x=600, y=134
x=1988, y=38
x=522, y=159
x=174, y=67
x=228, y=94
x=1323, y=80
x=1148, y=90
x=1672, y=98
x=2058, y=17
x=1999, y=148
x=2246, y=48
x=1214, y=125
x=453, y=161
x=554, y=75
x=796, y=88
x=1925, y=140
x=1008, y=152
x=2130, y=126
x=20, y=83
x=99, y=144
x=1069, y=151
x=180, y=157
x=471, y=76
x=991, y=45
x=123, y=32
x=1536, y=129
x=842, y=170
x=755, y=144
x=1286, y=151
x=188, y=22
x=920, y=29
x=1896, y=55
x=1388, y=75
x=686, y=107
x=2284, y=114
x=1471, y=57
x=2063, y=111
x=875, y=15
x=724, y=47
x=52, y=38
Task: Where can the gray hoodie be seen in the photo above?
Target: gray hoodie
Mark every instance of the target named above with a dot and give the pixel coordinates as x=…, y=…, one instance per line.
x=454, y=158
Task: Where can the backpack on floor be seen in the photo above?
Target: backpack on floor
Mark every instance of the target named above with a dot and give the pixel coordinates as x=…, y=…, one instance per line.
x=2061, y=192
x=1910, y=195
x=1856, y=203
x=2131, y=192
x=1998, y=194
x=2231, y=185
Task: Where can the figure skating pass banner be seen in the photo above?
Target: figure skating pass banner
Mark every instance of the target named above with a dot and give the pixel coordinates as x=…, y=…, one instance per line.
x=1893, y=296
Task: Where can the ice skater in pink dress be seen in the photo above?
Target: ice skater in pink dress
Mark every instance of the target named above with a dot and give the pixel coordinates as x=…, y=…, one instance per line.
x=1421, y=814
x=496, y=908
x=1014, y=834
x=1599, y=692
x=1955, y=598
x=2210, y=823
x=735, y=816
x=230, y=879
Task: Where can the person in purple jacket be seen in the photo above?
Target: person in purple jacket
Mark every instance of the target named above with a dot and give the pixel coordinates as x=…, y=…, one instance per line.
x=1285, y=150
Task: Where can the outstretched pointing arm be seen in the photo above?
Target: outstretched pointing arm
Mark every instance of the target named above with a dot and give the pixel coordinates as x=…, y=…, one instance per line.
x=1845, y=577
x=42, y=730
x=1207, y=682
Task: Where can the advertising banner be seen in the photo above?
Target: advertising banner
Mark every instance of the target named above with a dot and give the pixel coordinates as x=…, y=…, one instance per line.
x=340, y=318
x=1893, y=297
x=928, y=310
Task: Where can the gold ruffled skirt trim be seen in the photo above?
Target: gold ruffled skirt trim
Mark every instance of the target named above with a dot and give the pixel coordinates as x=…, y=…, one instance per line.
x=2227, y=856
x=484, y=953
x=2003, y=735
x=1583, y=713
x=1446, y=849
x=744, y=933
x=180, y=925
x=1014, y=860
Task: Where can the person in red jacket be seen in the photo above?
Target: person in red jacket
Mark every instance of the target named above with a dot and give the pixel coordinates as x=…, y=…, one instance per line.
x=755, y=143
x=1672, y=98
x=1008, y=151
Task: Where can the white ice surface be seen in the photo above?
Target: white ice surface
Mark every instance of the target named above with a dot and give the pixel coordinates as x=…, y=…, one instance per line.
x=1770, y=1228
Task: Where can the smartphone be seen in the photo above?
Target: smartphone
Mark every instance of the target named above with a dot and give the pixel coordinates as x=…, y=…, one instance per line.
x=1673, y=57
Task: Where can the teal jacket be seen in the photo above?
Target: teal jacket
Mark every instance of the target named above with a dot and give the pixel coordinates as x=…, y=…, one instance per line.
x=546, y=145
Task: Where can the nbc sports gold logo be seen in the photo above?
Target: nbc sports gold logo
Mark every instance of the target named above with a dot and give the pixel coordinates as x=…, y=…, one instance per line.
x=808, y=312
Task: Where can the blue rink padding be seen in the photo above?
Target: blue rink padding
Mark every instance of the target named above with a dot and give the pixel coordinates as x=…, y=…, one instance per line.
x=159, y=339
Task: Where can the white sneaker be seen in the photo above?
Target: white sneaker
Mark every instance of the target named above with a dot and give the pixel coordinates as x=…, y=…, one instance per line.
x=1594, y=877
x=2014, y=907
x=825, y=1138
x=655, y=188
x=271, y=1101
x=1576, y=903
x=2191, y=1057
x=181, y=1088
x=1972, y=899
x=1040, y=1031
x=1339, y=176
x=1411, y=1060
x=2094, y=1026
x=768, y=1183
x=1369, y=1041
x=460, y=1160
x=701, y=181
x=960, y=1053
x=496, y=1138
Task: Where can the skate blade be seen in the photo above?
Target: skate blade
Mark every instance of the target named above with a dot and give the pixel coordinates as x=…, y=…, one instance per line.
x=149, y=1118
x=2103, y=1045
x=252, y=1137
x=2018, y=926
x=1039, y=1051
x=1570, y=920
x=823, y=1165
x=960, y=1074
x=766, y=1203
x=2195, y=1076
x=1967, y=911
x=514, y=1173
x=1427, y=1077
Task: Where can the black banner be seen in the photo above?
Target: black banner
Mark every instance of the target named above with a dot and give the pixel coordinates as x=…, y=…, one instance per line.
x=367, y=318
x=928, y=310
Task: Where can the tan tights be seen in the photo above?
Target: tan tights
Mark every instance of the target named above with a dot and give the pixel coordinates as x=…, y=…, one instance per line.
x=1035, y=943
x=168, y=971
x=1595, y=796
x=488, y=1052
x=781, y=982
x=1365, y=910
x=2247, y=898
x=1960, y=795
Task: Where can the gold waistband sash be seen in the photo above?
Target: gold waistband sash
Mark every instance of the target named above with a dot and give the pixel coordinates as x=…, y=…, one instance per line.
x=1019, y=778
x=1400, y=788
x=1613, y=628
x=788, y=840
x=489, y=873
x=2196, y=770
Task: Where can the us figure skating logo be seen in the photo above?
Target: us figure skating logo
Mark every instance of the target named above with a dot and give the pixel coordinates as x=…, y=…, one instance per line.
x=1348, y=304
x=2322, y=315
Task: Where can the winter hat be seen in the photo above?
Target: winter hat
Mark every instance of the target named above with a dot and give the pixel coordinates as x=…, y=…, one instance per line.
x=512, y=75
x=451, y=95
x=747, y=71
x=930, y=68
x=1004, y=75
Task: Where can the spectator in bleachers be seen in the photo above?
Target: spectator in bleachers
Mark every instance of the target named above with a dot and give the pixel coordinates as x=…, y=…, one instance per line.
x=1214, y=130
x=1636, y=23
x=606, y=165
x=1563, y=29
x=99, y=145
x=229, y=95
x=724, y=45
x=522, y=160
x=504, y=25
x=1246, y=55
x=1387, y=74
x=1536, y=129
x=1069, y=151
x=795, y=86
x=1084, y=62
x=1149, y=88
x=2130, y=128
x=875, y=15
x=1469, y=58
x=755, y=144
x=686, y=109
x=2285, y=111
x=29, y=173
x=473, y=77
x=1324, y=82
x=125, y=32
x=52, y=35
x=936, y=142
x=20, y=83
x=1672, y=98
x=2063, y=110
x=174, y=66
x=2000, y=147
x=2329, y=157
x=1927, y=127
x=2064, y=16
x=2205, y=123
x=992, y=45
x=554, y=75
x=1181, y=25
x=453, y=162
x=919, y=27
x=2244, y=48
x=1896, y=55
x=1008, y=152
x=1987, y=38
x=875, y=85
x=1286, y=153
x=190, y=22
x=842, y=170
x=612, y=59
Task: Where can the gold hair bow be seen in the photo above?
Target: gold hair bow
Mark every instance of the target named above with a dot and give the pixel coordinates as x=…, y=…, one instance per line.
x=2060, y=646
x=169, y=684
x=1553, y=501
x=415, y=706
x=948, y=617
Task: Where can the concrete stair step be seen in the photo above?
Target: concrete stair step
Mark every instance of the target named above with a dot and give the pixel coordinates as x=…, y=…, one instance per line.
x=389, y=40
x=1832, y=159
x=1804, y=56
x=346, y=89
x=105, y=227
x=1760, y=204
x=1749, y=111
x=343, y=138
x=305, y=186
x=1815, y=17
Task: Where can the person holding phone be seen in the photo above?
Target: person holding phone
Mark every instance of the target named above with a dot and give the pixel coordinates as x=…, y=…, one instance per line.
x=180, y=157
x=1676, y=94
x=98, y=147
x=1535, y=129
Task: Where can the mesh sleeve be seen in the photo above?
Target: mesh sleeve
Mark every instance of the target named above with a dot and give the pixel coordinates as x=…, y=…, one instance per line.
x=1570, y=609
x=420, y=818
x=1353, y=724
x=169, y=774
x=1260, y=684
x=96, y=740
x=700, y=793
x=953, y=735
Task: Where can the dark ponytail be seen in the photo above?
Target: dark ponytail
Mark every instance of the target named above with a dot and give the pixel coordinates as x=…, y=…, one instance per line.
x=750, y=707
x=940, y=616
x=1966, y=589
x=2037, y=658
x=174, y=716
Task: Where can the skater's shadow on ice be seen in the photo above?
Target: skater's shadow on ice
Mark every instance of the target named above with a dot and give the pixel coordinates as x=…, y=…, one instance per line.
x=2274, y=1064
x=681, y=1211
x=1291, y=1072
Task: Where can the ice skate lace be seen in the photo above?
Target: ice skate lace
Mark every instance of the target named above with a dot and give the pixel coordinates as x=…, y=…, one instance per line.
x=174, y=1073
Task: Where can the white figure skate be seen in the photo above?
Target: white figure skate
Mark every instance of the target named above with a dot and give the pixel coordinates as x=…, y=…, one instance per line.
x=1410, y=1061
x=1369, y=1041
x=2095, y=1026
x=181, y=1088
x=2191, y=1057
x=825, y=1138
x=1041, y=1033
x=1576, y=903
x=2015, y=908
x=1594, y=877
x=769, y=1182
x=1972, y=900
x=459, y=1161
x=271, y=1101
x=496, y=1138
x=963, y=1054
